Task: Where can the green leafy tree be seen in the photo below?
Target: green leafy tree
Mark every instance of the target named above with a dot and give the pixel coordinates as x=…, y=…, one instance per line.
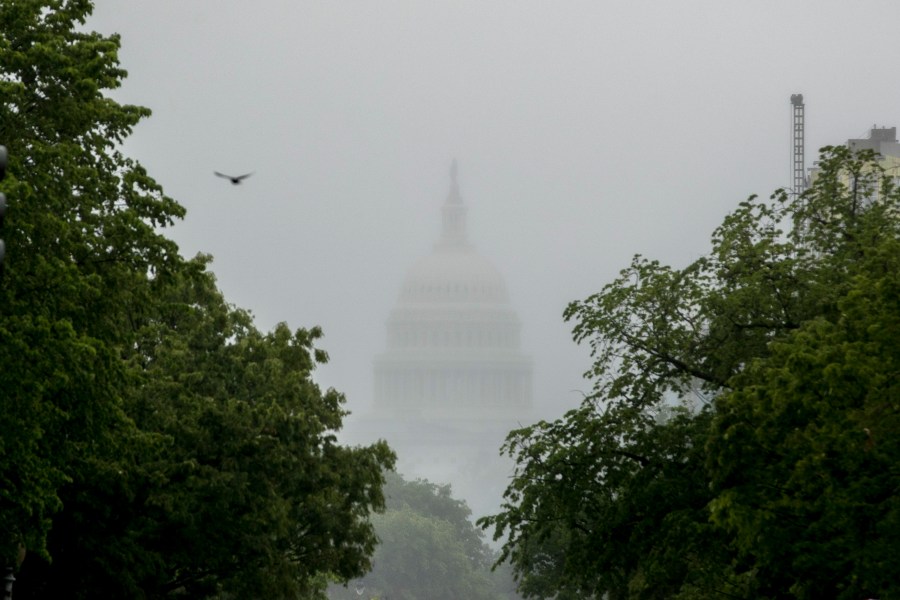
x=614, y=499
x=154, y=441
x=437, y=502
x=241, y=488
x=427, y=548
x=804, y=455
x=610, y=503
x=81, y=236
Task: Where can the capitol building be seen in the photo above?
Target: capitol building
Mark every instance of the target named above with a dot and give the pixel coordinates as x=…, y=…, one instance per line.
x=452, y=380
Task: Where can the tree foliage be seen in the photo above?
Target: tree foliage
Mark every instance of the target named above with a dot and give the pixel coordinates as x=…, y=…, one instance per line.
x=609, y=502
x=804, y=454
x=154, y=441
x=81, y=238
x=427, y=548
x=705, y=448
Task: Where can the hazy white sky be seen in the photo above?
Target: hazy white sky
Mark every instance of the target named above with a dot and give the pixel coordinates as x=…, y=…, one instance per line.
x=585, y=132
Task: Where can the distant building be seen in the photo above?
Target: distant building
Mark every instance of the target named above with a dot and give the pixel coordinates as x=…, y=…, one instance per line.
x=453, y=337
x=452, y=381
x=882, y=140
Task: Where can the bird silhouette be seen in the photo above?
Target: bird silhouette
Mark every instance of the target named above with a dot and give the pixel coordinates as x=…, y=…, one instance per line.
x=235, y=179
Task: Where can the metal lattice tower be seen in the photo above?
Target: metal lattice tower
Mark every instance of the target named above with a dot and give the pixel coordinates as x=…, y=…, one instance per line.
x=798, y=156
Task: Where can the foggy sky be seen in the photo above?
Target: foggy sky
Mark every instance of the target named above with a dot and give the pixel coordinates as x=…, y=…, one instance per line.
x=585, y=132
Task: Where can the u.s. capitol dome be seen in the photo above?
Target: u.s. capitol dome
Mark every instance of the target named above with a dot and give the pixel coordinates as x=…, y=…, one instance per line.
x=453, y=338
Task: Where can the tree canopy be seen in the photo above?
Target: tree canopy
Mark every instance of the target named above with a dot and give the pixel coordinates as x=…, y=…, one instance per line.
x=735, y=442
x=154, y=440
x=428, y=548
x=804, y=451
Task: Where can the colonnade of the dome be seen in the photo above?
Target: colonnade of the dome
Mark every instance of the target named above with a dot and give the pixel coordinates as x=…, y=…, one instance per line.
x=438, y=387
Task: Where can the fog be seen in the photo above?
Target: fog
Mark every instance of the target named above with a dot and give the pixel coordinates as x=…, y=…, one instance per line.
x=585, y=132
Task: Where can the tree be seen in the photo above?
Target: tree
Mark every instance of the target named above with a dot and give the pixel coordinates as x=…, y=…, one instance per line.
x=609, y=503
x=790, y=454
x=154, y=441
x=614, y=499
x=427, y=548
x=81, y=238
x=805, y=449
x=241, y=487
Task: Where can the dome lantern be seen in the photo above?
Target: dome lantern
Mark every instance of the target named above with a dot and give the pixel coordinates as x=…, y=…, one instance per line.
x=453, y=231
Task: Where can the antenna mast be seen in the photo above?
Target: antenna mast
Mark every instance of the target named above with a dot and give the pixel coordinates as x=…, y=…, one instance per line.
x=798, y=157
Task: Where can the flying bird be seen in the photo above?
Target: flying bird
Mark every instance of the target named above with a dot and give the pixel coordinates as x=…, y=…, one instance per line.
x=235, y=179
